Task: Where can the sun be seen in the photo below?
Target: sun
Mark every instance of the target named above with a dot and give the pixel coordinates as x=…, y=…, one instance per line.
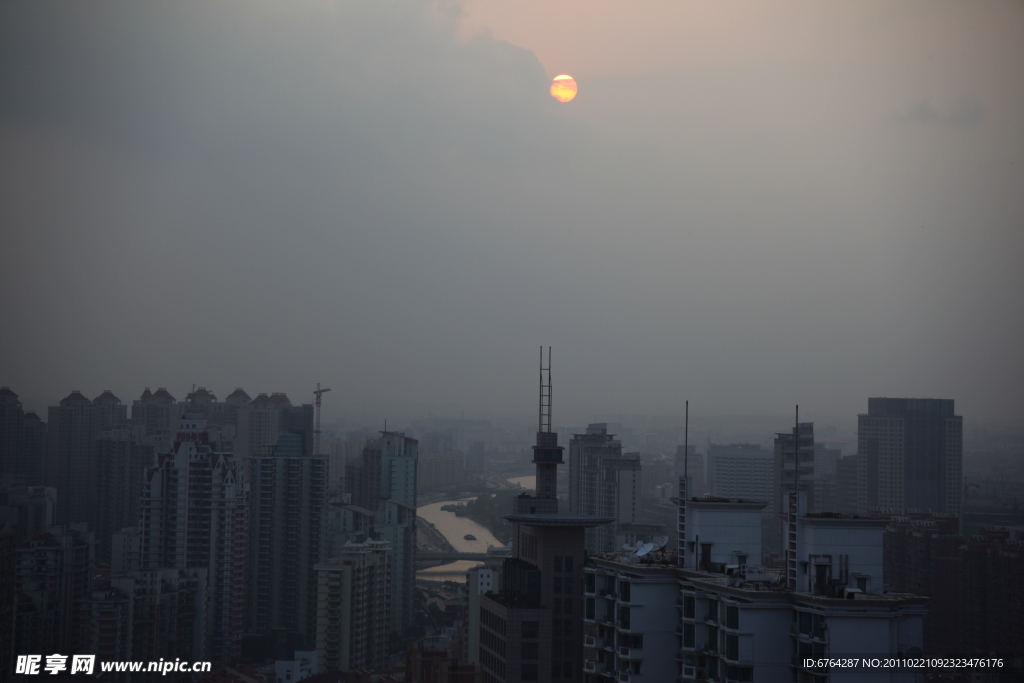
x=563, y=88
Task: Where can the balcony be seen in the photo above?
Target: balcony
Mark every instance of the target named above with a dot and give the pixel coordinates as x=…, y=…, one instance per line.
x=631, y=653
x=593, y=642
x=593, y=667
x=624, y=677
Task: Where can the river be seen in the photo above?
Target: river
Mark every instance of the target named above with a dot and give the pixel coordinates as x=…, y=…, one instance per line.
x=455, y=529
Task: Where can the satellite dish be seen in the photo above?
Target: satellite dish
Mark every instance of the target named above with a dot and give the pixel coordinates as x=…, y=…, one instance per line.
x=660, y=542
x=644, y=549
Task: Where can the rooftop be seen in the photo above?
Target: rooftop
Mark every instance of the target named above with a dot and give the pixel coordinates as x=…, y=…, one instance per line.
x=557, y=519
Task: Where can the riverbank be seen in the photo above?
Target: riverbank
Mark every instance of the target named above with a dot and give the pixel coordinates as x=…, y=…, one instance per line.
x=489, y=510
x=429, y=539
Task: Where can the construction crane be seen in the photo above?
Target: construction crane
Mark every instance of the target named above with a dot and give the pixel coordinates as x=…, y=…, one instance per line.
x=316, y=432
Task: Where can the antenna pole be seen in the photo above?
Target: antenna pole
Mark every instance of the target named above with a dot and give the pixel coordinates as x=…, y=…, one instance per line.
x=796, y=450
x=544, y=414
x=686, y=441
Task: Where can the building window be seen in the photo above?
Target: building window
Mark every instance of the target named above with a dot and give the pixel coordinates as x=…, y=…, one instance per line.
x=732, y=647
x=624, y=591
x=805, y=621
x=529, y=651
x=531, y=629
x=740, y=674
x=528, y=672
x=689, y=606
x=688, y=635
x=732, y=616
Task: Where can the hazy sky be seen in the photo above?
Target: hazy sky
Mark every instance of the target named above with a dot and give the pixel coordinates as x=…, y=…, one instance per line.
x=748, y=205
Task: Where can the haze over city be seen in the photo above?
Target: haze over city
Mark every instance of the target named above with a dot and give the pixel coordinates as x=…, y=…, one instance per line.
x=747, y=206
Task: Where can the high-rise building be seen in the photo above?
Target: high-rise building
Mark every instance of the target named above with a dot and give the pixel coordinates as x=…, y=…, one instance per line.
x=384, y=481
x=733, y=619
x=8, y=588
x=54, y=576
x=792, y=470
x=793, y=466
x=531, y=628
x=740, y=470
x=438, y=659
x=352, y=621
x=195, y=515
x=122, y=456
x=12, y=433
x=603, y=482
x=923, y=555
x=825, y=460
x=288, y=499
x=911, y=452
x=168, y=609
x=693, y=463
x=22, y=440
x=71, y=457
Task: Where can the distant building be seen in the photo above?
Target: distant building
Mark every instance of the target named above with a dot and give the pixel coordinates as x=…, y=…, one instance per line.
x=922, y=555
x=692, y=462
x=353, y=622
x=440, y=469
x=53, y=577
x=122, y=456
x=31, y=509
x=71, y=468
x=740, y=470
x=384, y=482
x=603, y=482
x=8, y=589
x=825, y=461
x=793, y=470
x=910, y=456
x=22, y=441
x=168, y=608
x=287, y=535
x=437, y=660
x=195, y=515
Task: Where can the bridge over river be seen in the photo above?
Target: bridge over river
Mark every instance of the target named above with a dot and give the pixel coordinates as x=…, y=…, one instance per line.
x=449, y=556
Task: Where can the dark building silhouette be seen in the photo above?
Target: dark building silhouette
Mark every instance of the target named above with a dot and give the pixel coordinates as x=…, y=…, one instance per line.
x=287, y=532
x=910, y=454
x=532, y=629
x=22, y=441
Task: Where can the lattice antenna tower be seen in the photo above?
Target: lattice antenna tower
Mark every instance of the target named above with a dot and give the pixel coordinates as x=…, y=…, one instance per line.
x=316, y=432
x=545, y=393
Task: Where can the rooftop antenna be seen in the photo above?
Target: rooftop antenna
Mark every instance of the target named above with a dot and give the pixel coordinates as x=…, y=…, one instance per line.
x=544, y=419
x=681, y=509
x=686, y=440
x=316, y=432
x=793, y=510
